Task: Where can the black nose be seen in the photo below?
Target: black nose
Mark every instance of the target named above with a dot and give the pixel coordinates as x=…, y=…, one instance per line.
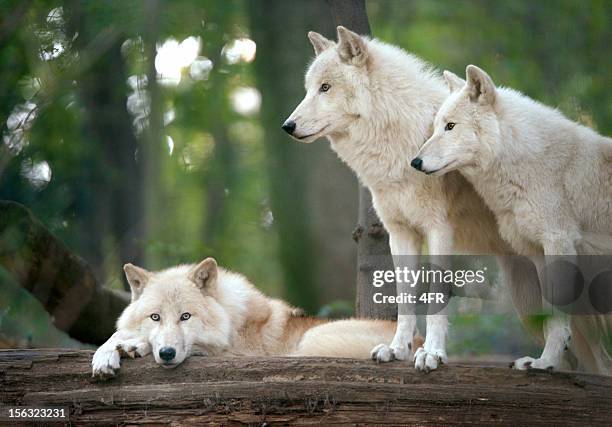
x=167, y=353
x=417, y=163
x=289, y=126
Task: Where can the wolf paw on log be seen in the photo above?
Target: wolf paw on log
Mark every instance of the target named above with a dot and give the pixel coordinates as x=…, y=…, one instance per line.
x=258, y=390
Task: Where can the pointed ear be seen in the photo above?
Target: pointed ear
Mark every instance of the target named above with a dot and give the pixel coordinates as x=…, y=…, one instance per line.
x=319, y=42
x=480, y=86
x=204, y=275
x=453, y=81
x=137, y=278
x=351, y=47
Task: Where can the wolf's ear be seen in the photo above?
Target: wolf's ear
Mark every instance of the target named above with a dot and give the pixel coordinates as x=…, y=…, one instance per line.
x=480, y=86
x=137, y=278
x=319, y=42
x=351, y=47
x=204, y=275
x=453, y=81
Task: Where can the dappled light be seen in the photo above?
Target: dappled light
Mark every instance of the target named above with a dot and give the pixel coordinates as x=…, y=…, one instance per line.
x=173, y=57
x=246, y=100
x=240, y=50
x=200, y=68
x=37, y=173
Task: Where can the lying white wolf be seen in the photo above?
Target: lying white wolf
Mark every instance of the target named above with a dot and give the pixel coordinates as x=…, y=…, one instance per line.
x=376, y=104
x=547, y=179
x=220, y=313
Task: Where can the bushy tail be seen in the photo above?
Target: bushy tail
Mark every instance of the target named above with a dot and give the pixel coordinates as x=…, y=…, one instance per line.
x=590, y=341
x=595, y=244
x=351, y=338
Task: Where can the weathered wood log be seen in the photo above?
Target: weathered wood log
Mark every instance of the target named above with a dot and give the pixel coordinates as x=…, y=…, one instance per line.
x=64, y=284
x=301, y=391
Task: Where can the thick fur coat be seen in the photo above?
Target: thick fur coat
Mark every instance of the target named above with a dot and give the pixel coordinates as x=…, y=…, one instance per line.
x=547, y=179
x=376, y=103
x=220, y=313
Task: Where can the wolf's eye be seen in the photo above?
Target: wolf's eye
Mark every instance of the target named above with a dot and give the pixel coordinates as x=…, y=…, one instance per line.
x=449, y=126
x=185, y=316
x=324, y=87
x=155, y=317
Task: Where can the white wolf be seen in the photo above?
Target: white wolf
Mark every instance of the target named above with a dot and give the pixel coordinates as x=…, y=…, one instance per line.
x=220, y=313
x=547, y=179
x=376, y=104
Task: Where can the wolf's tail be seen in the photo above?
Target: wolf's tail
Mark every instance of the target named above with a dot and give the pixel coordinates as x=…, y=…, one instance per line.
x=591, y=340
x=351, y=338
x=595, y=244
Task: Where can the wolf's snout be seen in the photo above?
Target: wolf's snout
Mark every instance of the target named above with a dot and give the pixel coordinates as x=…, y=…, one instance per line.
x=289, y=127
x=417, y=163
x=167, y=353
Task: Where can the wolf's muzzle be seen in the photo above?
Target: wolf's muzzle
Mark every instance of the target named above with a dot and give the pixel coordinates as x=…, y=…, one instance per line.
x=417, y=163
x=289, y=127
x=167, y=353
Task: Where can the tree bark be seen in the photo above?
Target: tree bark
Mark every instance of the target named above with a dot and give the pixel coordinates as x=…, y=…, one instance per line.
x=152, y=144
x=63, y=283
x=109, y=194
x=308, y=391
x=370, y=235
x=282, y=56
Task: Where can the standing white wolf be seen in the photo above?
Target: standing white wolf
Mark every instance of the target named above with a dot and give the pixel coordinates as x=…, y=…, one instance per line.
x=376, y=104
x=220, y=313
x=547, y=179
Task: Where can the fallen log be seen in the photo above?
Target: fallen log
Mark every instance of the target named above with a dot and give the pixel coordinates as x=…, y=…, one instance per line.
x=65, y=285
x=301, y=392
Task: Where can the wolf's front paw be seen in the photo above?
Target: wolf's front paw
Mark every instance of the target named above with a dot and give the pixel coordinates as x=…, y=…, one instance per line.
x=388, y=353
x=133, y=348
x=527, y=362
x=428, y=360
x=106, y=360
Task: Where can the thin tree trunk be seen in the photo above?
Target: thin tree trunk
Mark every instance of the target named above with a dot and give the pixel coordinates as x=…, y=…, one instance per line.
x=279, y=28
x=152, y=144
x=110, y=201
x=370, y=235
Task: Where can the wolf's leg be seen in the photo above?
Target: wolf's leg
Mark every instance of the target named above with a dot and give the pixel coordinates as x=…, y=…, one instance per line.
x=405, y=247
x=107, y=358
x=433, y=352
x=557, y=332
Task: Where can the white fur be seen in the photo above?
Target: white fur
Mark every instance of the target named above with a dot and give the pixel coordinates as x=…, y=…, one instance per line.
x=547, y=179
x=228, y=317
x=378, y=111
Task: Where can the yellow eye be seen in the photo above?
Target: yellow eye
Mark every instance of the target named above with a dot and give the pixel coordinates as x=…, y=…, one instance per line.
x=155, y=317
x=185, y=316
x=449, y=126
x=324, y=87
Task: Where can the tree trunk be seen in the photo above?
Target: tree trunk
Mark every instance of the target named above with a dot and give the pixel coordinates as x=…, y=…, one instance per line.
x=153, y=135
x=63, y=283
x=370, y=235
x=282, y=56
x=263, y=391
x=110, y=194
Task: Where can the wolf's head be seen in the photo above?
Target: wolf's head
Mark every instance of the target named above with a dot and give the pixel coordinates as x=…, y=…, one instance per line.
x=465, y=127
x=336, y=87
x=176, y=309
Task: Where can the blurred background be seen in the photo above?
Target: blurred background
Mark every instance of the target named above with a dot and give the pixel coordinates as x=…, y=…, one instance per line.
x=149, y=132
